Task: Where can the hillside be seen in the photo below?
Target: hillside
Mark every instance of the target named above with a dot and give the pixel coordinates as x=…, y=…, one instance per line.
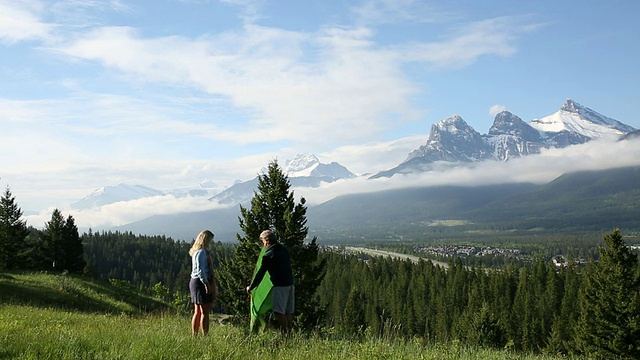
x=587, y=200
x=581, y=201
x=73, y=293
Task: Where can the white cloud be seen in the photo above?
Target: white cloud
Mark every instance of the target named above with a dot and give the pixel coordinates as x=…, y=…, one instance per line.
x=293, y=86
x=374, y=157
x=470, y=41
x=496, y=109
x=376, y=12
x=540, y=169
x=20, y=21
x=125, y=212
x=349, y=89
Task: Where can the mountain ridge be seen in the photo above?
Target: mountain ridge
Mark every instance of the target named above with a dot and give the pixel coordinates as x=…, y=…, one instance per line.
x=596, y=200
x=452, y=140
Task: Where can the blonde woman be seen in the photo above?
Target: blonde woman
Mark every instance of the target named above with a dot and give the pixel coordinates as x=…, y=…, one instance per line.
x=203, y=285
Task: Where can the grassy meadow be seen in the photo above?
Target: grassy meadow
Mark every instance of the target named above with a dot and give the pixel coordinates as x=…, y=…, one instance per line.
x=45, y=316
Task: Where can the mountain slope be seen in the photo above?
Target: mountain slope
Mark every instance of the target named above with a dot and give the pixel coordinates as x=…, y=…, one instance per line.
x=601, y=200
x=575, y=118
x=186, y=226
x=404, y=206
x=581, y=201
x=588, y=200
x=451, y=140
x=112, y=194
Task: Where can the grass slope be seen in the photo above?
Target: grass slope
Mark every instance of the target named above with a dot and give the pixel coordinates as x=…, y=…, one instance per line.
x=72, y=293
x=59, y=324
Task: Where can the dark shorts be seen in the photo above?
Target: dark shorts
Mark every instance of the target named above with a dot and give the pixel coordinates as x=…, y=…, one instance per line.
x=283, y=299
x=199, y=293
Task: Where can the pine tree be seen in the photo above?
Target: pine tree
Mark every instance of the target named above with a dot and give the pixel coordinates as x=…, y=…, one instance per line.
x=273, y=207
x=353, y=315
x=610, y=306
x=562, y=333
x=13, y=233
x=72, y=248
x=60, y=245
x=50, y=249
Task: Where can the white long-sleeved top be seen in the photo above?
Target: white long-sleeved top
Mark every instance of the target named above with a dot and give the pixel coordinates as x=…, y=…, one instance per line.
x=200, y=266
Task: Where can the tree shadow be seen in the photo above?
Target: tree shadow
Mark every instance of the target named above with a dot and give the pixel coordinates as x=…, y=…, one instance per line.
x=73, y=293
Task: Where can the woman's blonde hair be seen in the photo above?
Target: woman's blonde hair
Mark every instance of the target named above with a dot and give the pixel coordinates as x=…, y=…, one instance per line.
x=203, y=241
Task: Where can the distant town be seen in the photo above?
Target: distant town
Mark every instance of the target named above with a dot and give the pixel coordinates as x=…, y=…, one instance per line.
x=469, y=250
x=487, y=251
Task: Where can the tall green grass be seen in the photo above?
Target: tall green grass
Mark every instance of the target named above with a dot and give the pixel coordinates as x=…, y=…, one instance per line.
x=31, y=329
x=73, y=292
x=36, y=333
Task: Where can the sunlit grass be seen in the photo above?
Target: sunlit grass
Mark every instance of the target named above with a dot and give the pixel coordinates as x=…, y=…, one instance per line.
x=35, y=333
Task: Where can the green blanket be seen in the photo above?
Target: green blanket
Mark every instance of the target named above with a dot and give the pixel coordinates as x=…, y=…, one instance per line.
x=260, y=297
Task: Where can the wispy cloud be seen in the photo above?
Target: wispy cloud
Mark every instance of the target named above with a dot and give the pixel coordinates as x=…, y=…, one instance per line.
x=496, y=109
x=125, y=212
x=21, y=21
x=470, y=41
x=539, y=169
x=377, y=12
x=350, y=89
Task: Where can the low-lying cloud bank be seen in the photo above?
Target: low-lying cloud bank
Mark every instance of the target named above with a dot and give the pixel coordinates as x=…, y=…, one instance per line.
x=125, y=212
x=539, y=169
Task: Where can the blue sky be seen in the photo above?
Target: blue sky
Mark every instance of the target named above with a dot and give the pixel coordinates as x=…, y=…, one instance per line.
x=170, y=93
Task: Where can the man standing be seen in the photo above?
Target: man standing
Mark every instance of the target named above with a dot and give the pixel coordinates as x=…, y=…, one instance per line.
x=277, y=261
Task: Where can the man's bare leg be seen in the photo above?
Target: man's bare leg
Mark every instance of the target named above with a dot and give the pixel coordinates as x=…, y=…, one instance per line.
x=283, y=323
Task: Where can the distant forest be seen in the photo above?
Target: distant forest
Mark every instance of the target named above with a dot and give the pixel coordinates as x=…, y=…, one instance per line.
x=144, y=261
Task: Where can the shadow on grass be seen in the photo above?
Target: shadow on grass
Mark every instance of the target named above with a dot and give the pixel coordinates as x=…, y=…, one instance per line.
x=72, y=293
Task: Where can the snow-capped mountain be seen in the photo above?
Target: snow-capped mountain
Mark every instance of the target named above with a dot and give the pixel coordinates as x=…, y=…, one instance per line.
x=301, y=165
x=304, y=170
x=632, y=135
x=511, y=137
x=445, y=140
x=450, y=141
x=112, y=194
x=308, y=165
x=204, y=188
x=577, y=119
x=123, y=192
x=453, y=141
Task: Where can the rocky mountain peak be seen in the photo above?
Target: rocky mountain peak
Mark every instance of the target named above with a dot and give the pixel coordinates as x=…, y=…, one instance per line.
x=578, y=124
x=300, y=162
x=452, y=140
x=571, y=106
x=452, y=125
x=506, y=123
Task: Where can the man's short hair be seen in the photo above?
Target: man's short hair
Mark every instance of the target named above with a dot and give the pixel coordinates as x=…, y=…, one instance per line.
x=269, y=235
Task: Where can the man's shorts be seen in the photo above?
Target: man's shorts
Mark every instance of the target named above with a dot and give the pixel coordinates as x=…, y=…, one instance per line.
x=199, y=293
x=283, y=299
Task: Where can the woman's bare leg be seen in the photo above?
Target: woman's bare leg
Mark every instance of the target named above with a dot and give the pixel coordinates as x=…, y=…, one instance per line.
x=196, y=320
x=204, y=319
